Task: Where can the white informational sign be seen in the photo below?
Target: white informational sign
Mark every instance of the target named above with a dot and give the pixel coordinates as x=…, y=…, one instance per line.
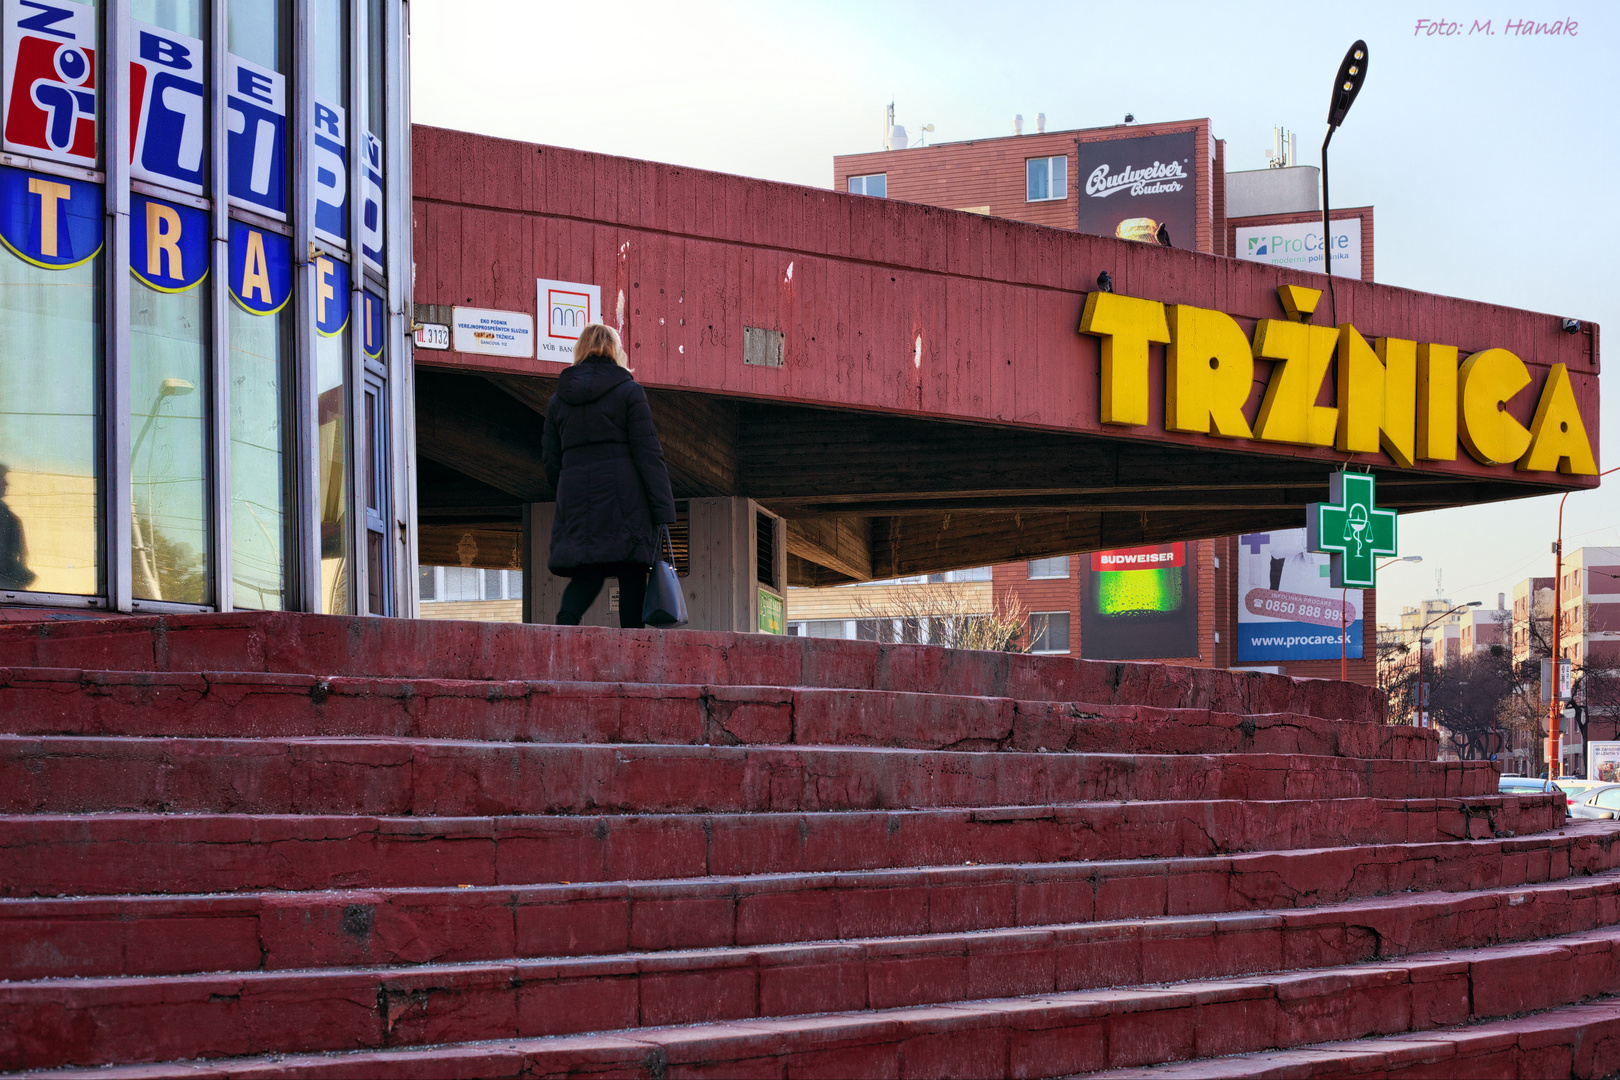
x=1299, y=246
x=566, y=308
x=1287, y=609
x=433, y=335
x=1603, y=761
x=493, y=333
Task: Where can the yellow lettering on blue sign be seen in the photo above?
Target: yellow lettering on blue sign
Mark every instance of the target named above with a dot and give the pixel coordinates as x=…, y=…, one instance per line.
x=323, y=287
x=49, y=193
x=163, y=241
x=256, y=269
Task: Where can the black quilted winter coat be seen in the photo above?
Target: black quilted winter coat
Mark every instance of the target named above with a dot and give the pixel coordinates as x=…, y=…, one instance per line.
x=603, y=457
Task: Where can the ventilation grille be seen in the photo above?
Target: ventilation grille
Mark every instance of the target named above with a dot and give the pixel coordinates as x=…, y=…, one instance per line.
x=680, y=538
x=765, y=549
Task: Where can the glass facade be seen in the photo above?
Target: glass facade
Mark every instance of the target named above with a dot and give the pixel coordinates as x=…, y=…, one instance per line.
x=192, y=413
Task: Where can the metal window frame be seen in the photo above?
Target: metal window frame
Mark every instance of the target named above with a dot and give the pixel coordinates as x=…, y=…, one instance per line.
x=218, y=44
x=118, y=505
x=398, y=255
x=304, y=445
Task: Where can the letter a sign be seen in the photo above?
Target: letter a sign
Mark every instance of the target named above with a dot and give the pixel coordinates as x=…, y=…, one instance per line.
x=1352, y=529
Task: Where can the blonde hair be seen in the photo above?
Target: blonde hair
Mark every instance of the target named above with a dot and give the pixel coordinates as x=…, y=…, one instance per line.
x=599, y=340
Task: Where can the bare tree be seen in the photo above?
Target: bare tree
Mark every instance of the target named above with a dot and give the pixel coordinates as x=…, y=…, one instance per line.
x=950, y=613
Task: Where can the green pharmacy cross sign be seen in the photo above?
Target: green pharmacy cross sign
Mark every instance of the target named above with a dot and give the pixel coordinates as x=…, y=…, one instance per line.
x=1351, y=528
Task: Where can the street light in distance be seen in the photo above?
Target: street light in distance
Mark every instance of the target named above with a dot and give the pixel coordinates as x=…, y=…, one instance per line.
x=1422, y=695
x=1344, y=616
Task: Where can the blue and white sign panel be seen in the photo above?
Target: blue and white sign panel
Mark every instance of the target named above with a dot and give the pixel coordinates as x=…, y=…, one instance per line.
x=371, y=210
x=50, y=80
x=261, y=269
x=49, y=221
x=166, y=97
x=1289, y=610
x=168, y=244
x=328, y=173
x=256, y=124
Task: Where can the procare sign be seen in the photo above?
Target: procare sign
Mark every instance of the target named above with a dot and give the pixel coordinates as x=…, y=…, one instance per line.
x=1414, y=401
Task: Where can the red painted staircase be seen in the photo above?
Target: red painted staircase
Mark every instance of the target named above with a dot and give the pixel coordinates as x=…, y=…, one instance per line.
x=279, y=845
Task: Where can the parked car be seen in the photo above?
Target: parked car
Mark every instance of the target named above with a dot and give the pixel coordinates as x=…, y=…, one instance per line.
x=1600, y=803
x=1531, y=785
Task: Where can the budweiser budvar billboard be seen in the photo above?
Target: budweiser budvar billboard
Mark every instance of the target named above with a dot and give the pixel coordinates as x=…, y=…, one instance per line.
x=1130, y=187
x=1139, y=605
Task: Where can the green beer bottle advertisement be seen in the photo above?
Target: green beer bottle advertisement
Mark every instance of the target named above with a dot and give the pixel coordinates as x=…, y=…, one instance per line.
x=1139, y=605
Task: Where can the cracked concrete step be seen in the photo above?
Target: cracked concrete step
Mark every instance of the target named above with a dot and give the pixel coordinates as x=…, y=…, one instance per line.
x=1577, y=1040
x=852, y=971
x=73, y=701
x=400, y=648
x=1051, y=1032
x=154, y=935
x=50, y=855
x=449, y=778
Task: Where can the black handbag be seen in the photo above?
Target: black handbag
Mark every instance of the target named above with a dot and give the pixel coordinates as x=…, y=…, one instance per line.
x=665, y=607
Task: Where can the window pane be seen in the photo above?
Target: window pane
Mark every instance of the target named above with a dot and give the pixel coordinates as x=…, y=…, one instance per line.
x=50, y=322
x=492, y=584
x=460, y=583
x=181, y=16
x=857, y=185
x=1060, y=177
x=258, y=32
x=1608, y=799
x=168, y=394
x=424, y=583
x=331, y=357
x=1056, y=567
x=878, y=186
x=258, y=511
x=1049, y=632
x=1035, y=169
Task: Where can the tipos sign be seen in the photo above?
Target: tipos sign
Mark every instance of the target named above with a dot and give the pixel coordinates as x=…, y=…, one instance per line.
x=1415, y=401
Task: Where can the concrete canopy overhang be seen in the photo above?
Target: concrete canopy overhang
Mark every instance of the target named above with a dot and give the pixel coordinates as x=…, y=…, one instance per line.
x=935, y=406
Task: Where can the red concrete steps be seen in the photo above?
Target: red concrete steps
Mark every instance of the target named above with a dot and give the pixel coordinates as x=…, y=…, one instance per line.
x=158, y=935
x=1041, y=1033
x=72, y=854
x=444, y=778
x=1580, y=1040
x=397, y=648
x=70, y=701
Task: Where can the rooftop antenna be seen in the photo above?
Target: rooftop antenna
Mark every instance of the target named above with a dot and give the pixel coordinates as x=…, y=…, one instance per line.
x=1283, y=144
x=888, y=126
x=1439, y=593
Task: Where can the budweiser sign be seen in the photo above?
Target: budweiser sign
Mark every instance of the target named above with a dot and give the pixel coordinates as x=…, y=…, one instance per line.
x=1157, y=557
x=1156, y=179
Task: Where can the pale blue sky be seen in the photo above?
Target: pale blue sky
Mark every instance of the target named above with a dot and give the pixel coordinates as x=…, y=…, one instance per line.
x=1492, y=161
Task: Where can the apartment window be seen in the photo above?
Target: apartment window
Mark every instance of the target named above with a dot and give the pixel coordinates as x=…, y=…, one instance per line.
x=978, y=573
x=1049, y=568
x=875, y=184
x=449, y=583
x=1047, y=178
x=1049, y=632
x=822, y=628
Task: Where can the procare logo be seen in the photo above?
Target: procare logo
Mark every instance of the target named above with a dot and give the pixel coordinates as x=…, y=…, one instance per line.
x=1257, y=245
x=1158, y=178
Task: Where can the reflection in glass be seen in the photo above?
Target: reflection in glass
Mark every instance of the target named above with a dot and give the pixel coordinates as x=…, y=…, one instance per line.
x=181, y=16
x=258, y=32
x=258, y=515
x=332, y=459
x=50, y=327
x=168, y=453
x=329, y=53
